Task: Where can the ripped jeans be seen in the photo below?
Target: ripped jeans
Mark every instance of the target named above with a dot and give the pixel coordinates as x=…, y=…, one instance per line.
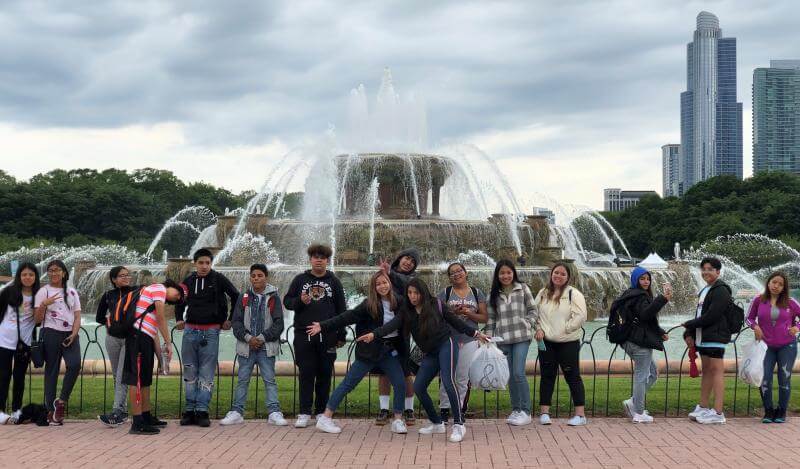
x=199, y=352
x=784, y=357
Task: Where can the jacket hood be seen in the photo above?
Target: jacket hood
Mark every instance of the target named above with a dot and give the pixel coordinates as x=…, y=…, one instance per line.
x=406, y=252
x=636, y=274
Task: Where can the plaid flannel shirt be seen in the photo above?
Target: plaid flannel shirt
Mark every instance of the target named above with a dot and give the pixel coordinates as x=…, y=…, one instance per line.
x=514, y=317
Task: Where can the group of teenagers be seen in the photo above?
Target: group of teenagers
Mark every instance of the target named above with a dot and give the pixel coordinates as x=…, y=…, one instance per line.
x=398, y=307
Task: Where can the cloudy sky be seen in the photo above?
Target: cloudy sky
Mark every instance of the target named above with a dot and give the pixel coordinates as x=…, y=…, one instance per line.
x=569, y=97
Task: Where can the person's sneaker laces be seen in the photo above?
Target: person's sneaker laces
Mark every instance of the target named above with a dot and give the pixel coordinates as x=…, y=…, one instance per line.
x=577, y=421
x=408, y=415
x=544, y=419
x=60, y=410
x=627, y=406
x=232, y=418
x=383, y=417
x=642, y=418
x=326, y=425
x=189, y=418
x=432, y=428
x=398, y=426
x=302, y=421
x=276, y=418
x=458, y=433
x=202, y=419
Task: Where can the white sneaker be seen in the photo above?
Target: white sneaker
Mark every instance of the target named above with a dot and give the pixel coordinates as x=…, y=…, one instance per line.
x=458, y=433
x=326, y=425
x=232, y=418
x=16, y=416
x=398, y=426
x=697, y=412
x=577, y=421
x=276, y=418
x=432, y=428
x=302, y=421
x=513, y=416
x=522, y=419
x=544, y=419
x=4, y=418
x=642, y=418
x=627, y=406
x=711, y=417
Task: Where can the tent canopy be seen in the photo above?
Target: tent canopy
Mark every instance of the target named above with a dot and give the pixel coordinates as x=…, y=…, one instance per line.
x=654, y=261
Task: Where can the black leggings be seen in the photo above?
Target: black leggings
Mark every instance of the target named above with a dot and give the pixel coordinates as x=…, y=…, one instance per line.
x=8, y=370
x=565, y=355
x=316, y=369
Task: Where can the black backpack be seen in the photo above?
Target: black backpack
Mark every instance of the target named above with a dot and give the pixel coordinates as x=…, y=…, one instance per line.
x=734, y=317
x=122, y=314
x=619, y=324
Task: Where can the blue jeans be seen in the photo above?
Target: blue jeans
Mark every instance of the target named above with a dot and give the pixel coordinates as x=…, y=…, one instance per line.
x=784, y=357
x=517, y=355
x=442, y=361
x=199, y=350
x=645, y=373
x=358, y=369
x=266, y=366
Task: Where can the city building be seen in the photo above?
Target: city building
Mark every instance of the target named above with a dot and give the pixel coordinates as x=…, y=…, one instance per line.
x=776, y=117
x=711, y=118
x=545, y=212
x=616, y=200
x=670, y=156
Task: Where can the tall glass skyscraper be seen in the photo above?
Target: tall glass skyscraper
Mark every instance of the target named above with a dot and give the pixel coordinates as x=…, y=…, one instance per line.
x=776, y=117
x=711, y=119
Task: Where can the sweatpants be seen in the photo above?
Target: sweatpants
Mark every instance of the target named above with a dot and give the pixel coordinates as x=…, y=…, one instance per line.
x=315, y=362
x=54, y=351
x=17, y=370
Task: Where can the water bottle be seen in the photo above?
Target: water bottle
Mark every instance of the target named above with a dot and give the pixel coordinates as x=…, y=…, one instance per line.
x=164, y=360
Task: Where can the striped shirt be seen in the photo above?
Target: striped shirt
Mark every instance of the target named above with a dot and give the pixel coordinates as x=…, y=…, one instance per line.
x=148, y=296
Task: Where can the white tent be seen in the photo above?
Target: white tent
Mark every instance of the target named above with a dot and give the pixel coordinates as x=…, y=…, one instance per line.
x=653, y=261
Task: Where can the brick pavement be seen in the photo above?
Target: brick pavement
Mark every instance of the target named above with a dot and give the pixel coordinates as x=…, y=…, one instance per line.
x=605, y=442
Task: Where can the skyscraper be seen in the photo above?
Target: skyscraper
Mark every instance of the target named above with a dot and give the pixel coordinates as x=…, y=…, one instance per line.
x=669, y=167
x=711, y=119
x=776, y=117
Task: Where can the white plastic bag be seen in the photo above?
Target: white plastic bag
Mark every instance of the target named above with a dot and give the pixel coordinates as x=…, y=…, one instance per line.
x=489, y=369
x=751, y=367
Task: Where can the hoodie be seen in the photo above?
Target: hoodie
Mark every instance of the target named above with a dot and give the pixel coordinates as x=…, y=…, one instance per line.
x=206, y=303
x=400, y=279
x=640, y=307
x=248, y=311
x=327, y=301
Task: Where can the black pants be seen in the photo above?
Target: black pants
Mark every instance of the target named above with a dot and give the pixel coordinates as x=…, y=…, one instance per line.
x=316, y=369
x=565, y=355
x=54, y=351
x=7, y=370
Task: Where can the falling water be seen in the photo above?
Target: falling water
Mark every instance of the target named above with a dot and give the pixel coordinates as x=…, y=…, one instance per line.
x=374, y=202
x=613, y=231
x=413, y=181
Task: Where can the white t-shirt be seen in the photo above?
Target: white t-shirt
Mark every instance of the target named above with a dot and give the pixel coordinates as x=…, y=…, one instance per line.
x=388, y=315
x=61, y=314
x=8, y=328
x=699, y=331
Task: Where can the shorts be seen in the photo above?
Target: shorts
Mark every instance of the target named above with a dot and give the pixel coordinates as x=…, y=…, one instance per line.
x=400, y=345
x=136, y=344
x=711, y=352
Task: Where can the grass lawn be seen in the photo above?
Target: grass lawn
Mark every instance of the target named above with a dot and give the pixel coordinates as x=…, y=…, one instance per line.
x=87, y=399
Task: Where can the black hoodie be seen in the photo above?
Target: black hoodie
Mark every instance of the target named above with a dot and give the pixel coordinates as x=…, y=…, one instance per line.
x=712, y=315
x=400, y=279
x=643, y=309
x=327, y=301
x=206, y=303
x=365, y=323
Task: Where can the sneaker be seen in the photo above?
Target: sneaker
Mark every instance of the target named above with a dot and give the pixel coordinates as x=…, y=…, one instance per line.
x=60, y=410
x=697, y=412
x=326, y=425
x=144, y=429
x=577, y=421
x=110, y=420
x=642, y=418
x=514, y=415
x=51, y=419
x=4, y=418
x=627, y=406
x=522, y=419
x=383, y=417
x=432, y=428
x=15, y=416
x=408, y=415
x=458, y=433
x=444, y=414
x=202, y=419
x=189, y=418
x=769, y=416
x=154, y=421
x=779, y=416
x=302, y=421
x=711, y=418
x=276, y=418
x=398, y=426
x=232, y=418
x=544, y=419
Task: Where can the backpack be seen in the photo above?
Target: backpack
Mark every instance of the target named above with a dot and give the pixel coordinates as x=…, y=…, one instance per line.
x=734, y=317
x=119, y=323
x=620, y=325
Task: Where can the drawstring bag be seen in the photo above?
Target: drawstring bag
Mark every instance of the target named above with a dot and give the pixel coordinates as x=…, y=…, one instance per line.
x=751, y=370
x=489, y=369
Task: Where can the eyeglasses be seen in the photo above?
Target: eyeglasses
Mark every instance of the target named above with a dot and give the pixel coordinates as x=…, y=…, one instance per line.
x=454, y=273
x=54, y=271
x=124, y=276
x=709, y=271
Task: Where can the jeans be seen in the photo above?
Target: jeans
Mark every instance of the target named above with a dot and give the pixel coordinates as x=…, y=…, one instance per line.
x=466, y=352
x=54, y=351
x=358, y=369
x=784, y=357
x=645, y=373
x=518, y=388
x=565, y=355
x=266, y=366
x=12, y=366
x=200, y=350
x=116, y=354
x=440, y=361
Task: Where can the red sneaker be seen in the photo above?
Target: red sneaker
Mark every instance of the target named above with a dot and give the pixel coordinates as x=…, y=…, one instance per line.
x=60, y=406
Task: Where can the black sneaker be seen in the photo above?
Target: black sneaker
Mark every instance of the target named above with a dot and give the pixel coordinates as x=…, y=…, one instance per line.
x=154, y=421
x=202, y=419
x=111, y=420
x=383, y=417
x=408, y=415
x=123, y=416
x=144, y=429
x=445, y=415
x=189, y=418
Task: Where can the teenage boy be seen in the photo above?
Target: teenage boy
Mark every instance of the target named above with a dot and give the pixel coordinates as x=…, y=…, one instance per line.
x=140, y=350
x=201, y=317
x=400, y=272
x=257, y=325
x=315, y=295
x=708, y=332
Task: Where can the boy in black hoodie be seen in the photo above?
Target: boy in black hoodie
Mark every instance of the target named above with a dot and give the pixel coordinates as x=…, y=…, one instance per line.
x=202, y=316
x=401, y=271
x=316, y=295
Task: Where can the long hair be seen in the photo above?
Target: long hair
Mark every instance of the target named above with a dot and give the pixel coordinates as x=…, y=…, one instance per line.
x=551, y=287
x=374, y=303
x=496, y=285
x=64, y=277
x=783, y=297
x=429, y=317
x=15, y=289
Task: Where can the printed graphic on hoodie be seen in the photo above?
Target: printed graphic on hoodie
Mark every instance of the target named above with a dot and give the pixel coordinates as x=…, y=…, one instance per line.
x=318, y=290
